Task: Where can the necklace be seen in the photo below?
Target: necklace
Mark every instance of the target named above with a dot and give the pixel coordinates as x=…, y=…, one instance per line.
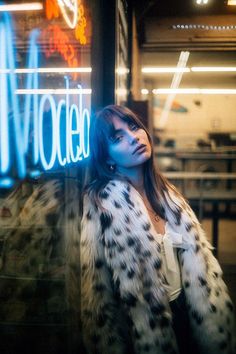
x=156, y=216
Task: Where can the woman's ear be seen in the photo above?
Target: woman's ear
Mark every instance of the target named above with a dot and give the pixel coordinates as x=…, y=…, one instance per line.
x=111, y=164
x=109, y=161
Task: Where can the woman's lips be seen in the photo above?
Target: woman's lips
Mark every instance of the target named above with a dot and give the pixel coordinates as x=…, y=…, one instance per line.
x=139, y=149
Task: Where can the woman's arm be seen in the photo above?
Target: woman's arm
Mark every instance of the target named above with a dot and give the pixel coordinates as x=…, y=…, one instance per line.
x=98, y=306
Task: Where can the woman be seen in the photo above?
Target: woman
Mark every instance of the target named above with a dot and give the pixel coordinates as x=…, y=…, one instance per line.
x=150, y=283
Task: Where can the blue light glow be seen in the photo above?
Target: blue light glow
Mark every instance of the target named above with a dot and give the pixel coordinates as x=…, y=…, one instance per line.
x=35, y=173
x=6, y=182
x=32, y=81
x=7, y=48
x=72, y=134
x=4, y=147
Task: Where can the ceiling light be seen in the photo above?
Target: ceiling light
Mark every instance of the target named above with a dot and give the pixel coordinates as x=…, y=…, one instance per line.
x=201, y=2
x=144, y=91
x=22, y=7
x=191, y=91
x=152, y=70
x=231, y=3
x=204, y=27
x=213, y=68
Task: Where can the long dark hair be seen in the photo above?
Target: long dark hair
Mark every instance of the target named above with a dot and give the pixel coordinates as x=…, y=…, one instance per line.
x=155, y=184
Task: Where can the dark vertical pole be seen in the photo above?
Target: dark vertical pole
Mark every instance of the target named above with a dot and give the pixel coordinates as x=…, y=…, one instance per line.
x=109, y=51
x=97, y=54
x=103, y=43
x=130, y=49
x=103, y=52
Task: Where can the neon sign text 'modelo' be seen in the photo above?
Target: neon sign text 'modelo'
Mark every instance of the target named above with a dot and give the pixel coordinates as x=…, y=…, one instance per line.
x=22, y=131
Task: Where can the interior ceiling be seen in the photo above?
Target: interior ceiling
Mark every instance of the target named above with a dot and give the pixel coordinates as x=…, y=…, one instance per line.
x=161, y=44
x=179, y=8
x=183, y=7
x=157, y=17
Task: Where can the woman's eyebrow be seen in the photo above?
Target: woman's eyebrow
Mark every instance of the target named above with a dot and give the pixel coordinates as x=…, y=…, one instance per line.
x=116, y=131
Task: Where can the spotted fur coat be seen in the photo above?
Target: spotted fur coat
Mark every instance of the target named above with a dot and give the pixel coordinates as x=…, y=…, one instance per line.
x=124, y=294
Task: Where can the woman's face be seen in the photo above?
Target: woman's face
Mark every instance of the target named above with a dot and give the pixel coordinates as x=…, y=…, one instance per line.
x=129, y=147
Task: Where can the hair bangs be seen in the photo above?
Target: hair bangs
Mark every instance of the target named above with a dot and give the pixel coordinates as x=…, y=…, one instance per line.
x=106, y=126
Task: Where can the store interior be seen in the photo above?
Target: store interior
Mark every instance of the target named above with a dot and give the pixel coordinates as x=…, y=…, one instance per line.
x=192, y=108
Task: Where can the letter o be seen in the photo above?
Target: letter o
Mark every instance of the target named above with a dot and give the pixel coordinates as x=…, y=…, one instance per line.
x=47, y=165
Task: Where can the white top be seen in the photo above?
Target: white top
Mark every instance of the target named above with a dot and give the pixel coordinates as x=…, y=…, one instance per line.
x=169, y=243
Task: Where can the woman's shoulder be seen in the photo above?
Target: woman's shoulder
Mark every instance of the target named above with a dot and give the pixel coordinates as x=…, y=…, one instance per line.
x=173, y=195
x=110, y=194
x=101, y=188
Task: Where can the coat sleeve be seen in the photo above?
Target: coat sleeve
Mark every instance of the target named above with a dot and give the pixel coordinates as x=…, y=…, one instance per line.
x=100, y=324
x=211, y=310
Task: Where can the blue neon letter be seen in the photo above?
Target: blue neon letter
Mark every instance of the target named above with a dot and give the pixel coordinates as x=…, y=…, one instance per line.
x=50, y=164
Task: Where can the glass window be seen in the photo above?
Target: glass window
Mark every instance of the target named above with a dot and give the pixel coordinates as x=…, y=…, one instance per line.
x=45, y=99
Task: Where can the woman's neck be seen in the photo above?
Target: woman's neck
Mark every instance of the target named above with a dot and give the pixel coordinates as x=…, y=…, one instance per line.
x=139, y=186
x=135, y=176
x=138, y=183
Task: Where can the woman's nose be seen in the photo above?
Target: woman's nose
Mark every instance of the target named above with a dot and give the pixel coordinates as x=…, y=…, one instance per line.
x=133, y=139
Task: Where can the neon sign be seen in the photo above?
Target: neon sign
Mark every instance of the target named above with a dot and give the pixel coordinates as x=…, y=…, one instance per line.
x=59, y=42
x=69, y=9
x=73, y=13
x=69, y=123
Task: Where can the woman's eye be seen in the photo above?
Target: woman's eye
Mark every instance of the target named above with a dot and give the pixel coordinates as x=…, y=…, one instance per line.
x=116, y=138
x=133, y=126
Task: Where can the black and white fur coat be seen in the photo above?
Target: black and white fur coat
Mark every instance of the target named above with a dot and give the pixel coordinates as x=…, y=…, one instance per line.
x=124, y=293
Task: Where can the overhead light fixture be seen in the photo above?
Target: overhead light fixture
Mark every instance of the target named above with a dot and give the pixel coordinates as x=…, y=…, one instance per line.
x=144, y=91
x=231, y=3
x=159, y=70
x=33, y=6
x=202, y=2
x=194, y=26
x=193, y=91
x=213, y=68
x=153, y=70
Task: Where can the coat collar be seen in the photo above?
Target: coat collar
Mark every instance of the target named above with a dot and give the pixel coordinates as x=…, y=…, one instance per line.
x=179, y=215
